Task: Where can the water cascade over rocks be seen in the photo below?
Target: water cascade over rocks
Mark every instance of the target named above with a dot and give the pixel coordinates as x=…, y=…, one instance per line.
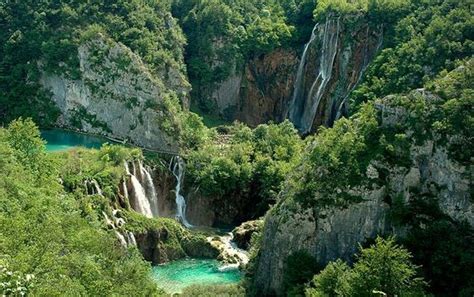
x=331, y=66
x=116, y=223
x=304, y=104
x=139, y=199
x=177, y=167
x=140, y=190
x=126, y=238
x=150, y=189
x=232, y=256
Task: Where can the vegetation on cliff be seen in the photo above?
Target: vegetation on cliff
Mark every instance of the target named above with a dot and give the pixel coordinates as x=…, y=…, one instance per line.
x=429, y=37
x=247, y=164
x=384, y=268
x=53, y=239
x=223, y=35
x=44, y=36
x=356, y=156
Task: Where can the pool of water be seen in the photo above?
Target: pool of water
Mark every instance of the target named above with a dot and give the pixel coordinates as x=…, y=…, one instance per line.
x=60, y=140
x=175, y=276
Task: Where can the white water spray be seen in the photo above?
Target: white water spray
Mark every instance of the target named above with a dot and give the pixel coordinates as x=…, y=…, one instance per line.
x=150, y=189
x=295, y=105
x=178, y=172
x=304, y=107
x=141, y=203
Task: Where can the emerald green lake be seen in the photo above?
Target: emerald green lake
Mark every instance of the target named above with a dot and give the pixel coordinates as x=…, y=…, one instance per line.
x=60, y=140
x=177, y=275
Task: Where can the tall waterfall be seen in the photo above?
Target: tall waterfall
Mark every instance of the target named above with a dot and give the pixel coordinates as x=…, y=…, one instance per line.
x=178, y=171
x=304, y=104
x=297, y=104
x=140, y=201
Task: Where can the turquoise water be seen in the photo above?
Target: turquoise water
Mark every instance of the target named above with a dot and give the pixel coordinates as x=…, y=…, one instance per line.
x=177, y=275
x=59, y=140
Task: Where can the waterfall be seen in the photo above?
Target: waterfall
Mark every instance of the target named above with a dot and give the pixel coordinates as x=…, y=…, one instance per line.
x=131, y=238
x=178, y=172
x=141, y=203
x=304, y=107
x=296, y=104
x=150, y=189
x=116, y=224
x=228, y=250
x=121, y=238
x=98, y=191
x=125, y=189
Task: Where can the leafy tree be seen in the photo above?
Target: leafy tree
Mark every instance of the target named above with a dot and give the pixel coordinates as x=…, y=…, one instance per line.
x=299, y=268
x=427, y=37
x=333, y=281
x=384, y=268
x=250, y=163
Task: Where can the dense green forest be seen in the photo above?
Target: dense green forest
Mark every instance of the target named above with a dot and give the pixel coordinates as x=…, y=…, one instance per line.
x=54, y=240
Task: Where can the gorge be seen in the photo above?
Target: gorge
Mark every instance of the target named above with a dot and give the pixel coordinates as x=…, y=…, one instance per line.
x=236, y=148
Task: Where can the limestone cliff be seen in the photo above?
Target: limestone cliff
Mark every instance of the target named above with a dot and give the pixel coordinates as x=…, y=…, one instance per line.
x=332, y=231
x=261, y=91
x=118, y=96
x=311, y=90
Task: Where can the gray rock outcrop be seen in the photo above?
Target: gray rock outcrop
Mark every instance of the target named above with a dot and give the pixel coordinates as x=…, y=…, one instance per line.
x=116, y=96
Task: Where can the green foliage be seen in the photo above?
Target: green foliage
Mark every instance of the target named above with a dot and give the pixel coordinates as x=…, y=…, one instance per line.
x=194, y=133
x=299, y=269
x=14, y=283
x=456, y=119
x=339, y=157
x=24, y=137
x=333, y=281
x=250, y=163
x=424, y=42
x=385, y=268
x=338, y=160
x=299, y=14
x=382, y=11
x=441, y=246
x=45, y=235
x=444, y=250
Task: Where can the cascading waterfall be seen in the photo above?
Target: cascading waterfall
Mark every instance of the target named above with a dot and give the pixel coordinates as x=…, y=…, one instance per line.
x=141, y=203
x=296, y=104
x=97, y=188
x=116, y=224
x=150, y=189
x=143, y=195
x=304, y=107
x=178, y=171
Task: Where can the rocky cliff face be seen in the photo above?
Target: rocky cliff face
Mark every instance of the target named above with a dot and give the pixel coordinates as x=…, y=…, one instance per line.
x=117, y=96
x=311, y=90
x=230, y=210
x=333, y=232
x=261, y=91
